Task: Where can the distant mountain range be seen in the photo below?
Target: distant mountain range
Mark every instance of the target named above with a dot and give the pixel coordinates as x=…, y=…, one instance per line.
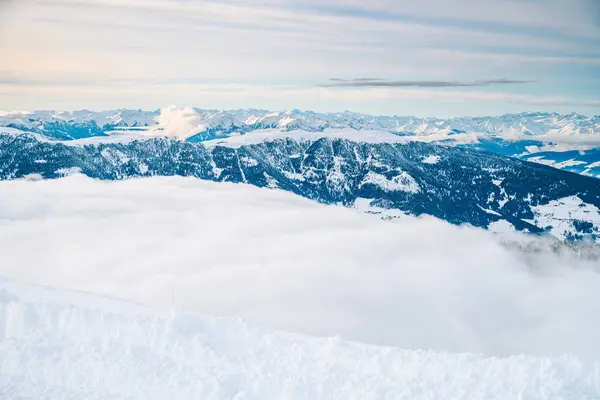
x=224, y=122
x=569, y=142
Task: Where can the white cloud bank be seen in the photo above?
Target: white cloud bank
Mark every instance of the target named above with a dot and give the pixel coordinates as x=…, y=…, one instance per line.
x=180, y=123
x=285, y=262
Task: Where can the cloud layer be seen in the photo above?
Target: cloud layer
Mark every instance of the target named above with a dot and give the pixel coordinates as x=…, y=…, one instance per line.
x=289, y=263
x=377, y=82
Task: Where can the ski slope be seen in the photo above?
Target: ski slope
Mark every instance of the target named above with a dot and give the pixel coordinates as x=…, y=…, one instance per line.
x=57, y=344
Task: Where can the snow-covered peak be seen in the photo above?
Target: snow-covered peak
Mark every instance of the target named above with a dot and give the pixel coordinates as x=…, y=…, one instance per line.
x=188, y=122
x=120, y=117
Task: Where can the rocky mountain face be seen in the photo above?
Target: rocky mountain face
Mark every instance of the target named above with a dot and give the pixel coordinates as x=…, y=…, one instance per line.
x=569, y=142
x=459, y=185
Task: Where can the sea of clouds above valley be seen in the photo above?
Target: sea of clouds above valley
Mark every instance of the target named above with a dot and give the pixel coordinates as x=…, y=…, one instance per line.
x=288, y=263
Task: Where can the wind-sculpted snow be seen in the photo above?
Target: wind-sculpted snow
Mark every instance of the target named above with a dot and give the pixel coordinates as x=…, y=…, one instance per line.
x=66, y=345
x=285, y=262
x=462, y=186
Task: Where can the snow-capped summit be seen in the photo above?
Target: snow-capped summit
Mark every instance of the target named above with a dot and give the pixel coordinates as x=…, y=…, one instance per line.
x=200, y=124
x=109, y=118
x=564, y=141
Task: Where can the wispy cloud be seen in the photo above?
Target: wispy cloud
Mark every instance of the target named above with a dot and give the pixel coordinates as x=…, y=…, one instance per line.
x=373, y=100
x=175, y=45
x=377, y=82
x=358, y=80
x=594, y=10
x=556, y=18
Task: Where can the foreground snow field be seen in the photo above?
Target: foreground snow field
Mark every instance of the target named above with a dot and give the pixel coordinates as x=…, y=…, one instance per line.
x=71, y=345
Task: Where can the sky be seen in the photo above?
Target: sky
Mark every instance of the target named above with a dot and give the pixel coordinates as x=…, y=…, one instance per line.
x=392, y=57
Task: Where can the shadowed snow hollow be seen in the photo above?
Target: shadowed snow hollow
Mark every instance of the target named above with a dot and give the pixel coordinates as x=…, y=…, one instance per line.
x=288, y=263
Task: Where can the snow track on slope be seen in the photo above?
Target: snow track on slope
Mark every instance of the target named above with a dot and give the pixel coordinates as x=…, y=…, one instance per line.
x=70, y=345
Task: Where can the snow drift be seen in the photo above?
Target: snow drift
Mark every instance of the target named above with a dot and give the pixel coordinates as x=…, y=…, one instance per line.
x=288, y=263
x=67, y=345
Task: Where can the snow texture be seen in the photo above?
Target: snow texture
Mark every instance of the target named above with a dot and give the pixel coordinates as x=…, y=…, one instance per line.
x=71, y=345
x=560, y=216
x=431, y=159
x=401, y=182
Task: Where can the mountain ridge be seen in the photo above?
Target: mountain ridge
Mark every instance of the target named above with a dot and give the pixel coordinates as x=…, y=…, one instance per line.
x=222, y=122
x=459, y=185
x=522, y=135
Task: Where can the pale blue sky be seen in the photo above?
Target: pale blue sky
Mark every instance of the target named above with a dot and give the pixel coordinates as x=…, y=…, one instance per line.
x=431, y=57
